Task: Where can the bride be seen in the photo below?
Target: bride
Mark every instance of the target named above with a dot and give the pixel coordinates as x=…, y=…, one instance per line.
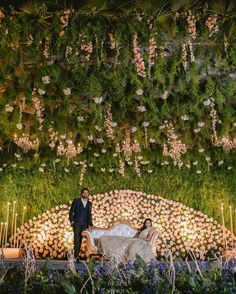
x=122, y=249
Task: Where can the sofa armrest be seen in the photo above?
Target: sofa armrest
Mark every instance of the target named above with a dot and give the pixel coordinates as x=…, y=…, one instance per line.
x=91, y=248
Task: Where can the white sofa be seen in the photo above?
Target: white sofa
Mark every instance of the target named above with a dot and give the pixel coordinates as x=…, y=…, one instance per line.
x=120, y=228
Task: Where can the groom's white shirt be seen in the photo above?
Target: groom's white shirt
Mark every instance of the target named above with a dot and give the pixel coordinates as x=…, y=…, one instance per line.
x=85, y=201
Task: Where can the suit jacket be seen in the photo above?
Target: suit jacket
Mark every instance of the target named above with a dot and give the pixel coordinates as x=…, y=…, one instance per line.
x=75, y=210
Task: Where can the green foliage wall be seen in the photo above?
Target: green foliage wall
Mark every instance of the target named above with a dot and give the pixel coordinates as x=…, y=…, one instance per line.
x=62, y=72
x=40, y=192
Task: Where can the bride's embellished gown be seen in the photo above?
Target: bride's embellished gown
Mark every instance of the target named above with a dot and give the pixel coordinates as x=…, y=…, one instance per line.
x=122, y=249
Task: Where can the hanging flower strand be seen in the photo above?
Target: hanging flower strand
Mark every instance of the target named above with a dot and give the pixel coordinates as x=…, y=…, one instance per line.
x=108, y=124
x=138, y=59
x=39, y=110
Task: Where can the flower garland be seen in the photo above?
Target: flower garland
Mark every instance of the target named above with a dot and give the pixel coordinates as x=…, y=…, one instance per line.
x=174, y=148
x=211, y=24
x=138, y=59
x=25, y=143
x=109, y=124
x=39, y=110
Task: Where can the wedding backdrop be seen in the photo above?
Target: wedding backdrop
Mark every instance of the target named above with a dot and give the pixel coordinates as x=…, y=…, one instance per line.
x=137, y=96
x=134, y=100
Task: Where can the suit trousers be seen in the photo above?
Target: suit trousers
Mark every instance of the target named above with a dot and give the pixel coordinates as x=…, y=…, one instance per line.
x=78, y=229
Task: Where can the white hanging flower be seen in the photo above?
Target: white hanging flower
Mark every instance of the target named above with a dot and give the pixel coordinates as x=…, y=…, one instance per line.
x=188, y=165
x=41, y=169
x=91, y=164
x=97, y=128
x=43, y=164
x=1, y=169
x=161, y=127
x=41, y=91
x=104, y=151
x=80, y=118
x=141, y=108
x=17, y=155
x=4, y=165
x=76, y=163
x=90, y=137
x=201, y=124
x=150, y=171
x=198, y=172
x=130, y=162
x=46, y=79
x=139, y=92
x=98, y=100
x=100, y=140
x=145, y=124
x=103, y=169
x=166, y=162
x=220, y=162
x=197, y=130
x=115, y=154
x=234, y=124
x=140, y=157
x=9, y=108
x=165, y=95
x=114, y=124
x=185, y=117
x=195, y=162
x=66, y=170
x=19, y=126
x=67, y=91
x=96, y=154
x=229, y=167
x=201, y=150
x=133, y=129
x=13, y=165
x=57, y=160
x=63, y=136
x=52, y=145
x=207, y=102
x=152, y=140
x=208, y=158
x=111, y=170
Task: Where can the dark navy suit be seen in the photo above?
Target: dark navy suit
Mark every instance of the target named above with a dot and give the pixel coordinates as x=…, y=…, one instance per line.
x=82, y=218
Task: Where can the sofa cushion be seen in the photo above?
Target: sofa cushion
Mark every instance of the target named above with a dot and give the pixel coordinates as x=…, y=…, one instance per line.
x=121, y=229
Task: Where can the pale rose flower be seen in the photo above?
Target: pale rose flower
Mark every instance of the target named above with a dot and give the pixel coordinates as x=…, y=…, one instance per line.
x=201, y=124
x=141, y=108
x=67, y=91
x=185, y=117
x=139, y=92
x=98, y=100
x=145, y=124
x=80, y=118
x=46, y=79
x=41, y=91
x=133, y=129
x=207, y=102
x=9, y=108
x=19, y=126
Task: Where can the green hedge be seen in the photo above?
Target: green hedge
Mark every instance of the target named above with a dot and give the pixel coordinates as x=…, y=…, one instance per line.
x=41, y=191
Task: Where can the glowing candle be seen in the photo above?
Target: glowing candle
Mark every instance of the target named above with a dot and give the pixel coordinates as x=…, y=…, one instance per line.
x=231, y=224
x=14, y=232
x=8, y=207
x=1, y=235
x=4, y=233
x=12, y=220
x=18, y=240
x=23, y=216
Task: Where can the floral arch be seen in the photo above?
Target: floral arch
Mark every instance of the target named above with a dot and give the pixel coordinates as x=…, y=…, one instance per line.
x=182, y=227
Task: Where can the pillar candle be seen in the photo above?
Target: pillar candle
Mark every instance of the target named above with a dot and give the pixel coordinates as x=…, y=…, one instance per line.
x=7, y=221
x=12, y=220
x=1, y=235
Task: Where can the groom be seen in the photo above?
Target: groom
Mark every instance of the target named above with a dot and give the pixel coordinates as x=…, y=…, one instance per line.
x=80, y=216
